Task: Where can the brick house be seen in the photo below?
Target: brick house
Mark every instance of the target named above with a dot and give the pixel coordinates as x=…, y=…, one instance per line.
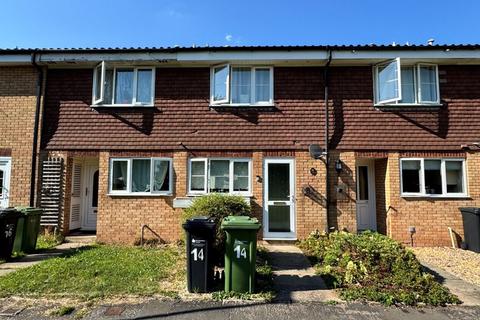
x=142, y=132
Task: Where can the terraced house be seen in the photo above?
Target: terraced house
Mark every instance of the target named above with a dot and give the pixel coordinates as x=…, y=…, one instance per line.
x=129, y=137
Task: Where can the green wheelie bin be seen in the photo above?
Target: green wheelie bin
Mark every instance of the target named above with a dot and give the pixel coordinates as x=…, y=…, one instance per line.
x=8, y=228
x=240, y=253
x=28, y=229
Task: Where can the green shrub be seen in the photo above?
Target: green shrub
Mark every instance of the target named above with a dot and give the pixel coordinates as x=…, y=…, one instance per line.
x=371, y=266
x=218, y=206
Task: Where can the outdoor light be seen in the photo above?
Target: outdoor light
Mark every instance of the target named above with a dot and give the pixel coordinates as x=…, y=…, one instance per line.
x=338, y=166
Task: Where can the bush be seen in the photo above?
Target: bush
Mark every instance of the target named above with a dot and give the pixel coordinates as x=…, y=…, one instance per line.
x=371, y=266
x=218, y=206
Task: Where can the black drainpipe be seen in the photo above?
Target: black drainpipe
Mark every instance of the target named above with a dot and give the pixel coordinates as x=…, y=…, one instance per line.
x=35, y=128
x=327, y=133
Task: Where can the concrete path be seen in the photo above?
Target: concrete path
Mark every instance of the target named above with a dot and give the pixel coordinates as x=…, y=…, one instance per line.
x=34, y=258
x=465, y=291
x=294, y=277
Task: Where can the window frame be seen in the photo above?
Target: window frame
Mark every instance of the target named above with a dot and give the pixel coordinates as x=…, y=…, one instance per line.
x=228, y=100
x=399, y=81
x=230, y=176
x=443, y=174
x=100, y=102
x=129, y=192
x=417, y=85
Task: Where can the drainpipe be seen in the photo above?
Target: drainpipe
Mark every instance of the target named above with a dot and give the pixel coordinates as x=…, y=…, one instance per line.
x=327, y=133
x=35, y=128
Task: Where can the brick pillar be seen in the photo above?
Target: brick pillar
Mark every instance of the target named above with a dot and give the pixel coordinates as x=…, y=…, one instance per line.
x=257, y=200
x=180, y=168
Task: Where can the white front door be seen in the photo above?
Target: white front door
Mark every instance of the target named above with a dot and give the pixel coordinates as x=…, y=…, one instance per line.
x=89, y=219
x=5, y=168
x=76, y=197
x=279, y=199
x=366, y=209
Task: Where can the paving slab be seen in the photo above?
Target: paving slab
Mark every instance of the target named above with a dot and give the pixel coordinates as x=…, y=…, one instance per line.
x=294, y=277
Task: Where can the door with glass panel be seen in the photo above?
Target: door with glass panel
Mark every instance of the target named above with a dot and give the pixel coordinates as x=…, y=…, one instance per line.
x=279, y=199
x=366, y=209
x=89, y=220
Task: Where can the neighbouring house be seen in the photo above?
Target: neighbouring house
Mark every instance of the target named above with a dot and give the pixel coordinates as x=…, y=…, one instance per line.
x=131, y=136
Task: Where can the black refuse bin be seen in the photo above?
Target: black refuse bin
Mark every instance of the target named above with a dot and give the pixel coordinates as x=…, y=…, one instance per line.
x=8, y=228
x=471, y=228
x=199, y=240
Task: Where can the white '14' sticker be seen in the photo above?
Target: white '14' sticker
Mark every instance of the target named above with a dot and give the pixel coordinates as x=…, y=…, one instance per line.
x=197, y=254
x=241, y=252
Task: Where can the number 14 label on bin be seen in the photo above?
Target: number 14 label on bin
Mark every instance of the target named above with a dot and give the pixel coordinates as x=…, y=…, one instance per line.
x=197, y=251
x=240, y=249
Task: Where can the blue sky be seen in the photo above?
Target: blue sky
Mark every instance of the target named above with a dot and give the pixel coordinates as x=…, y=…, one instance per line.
x=100, y=23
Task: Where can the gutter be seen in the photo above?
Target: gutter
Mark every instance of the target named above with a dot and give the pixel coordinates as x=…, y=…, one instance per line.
x=35, y=127
x=327, y=134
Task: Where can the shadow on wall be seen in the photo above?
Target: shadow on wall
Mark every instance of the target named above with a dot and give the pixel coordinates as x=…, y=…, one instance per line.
x=140, y=120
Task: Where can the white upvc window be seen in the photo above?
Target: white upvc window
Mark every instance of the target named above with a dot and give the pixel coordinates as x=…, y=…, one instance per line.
x=408, y=84
x=123, y=86
x=220, y=175
x=241, y=85
x=140, y=176
x=433, y=177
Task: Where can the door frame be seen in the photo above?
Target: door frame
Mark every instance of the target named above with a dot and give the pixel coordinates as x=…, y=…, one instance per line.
x=6, y=181
x=89, y=166
x=292, y=235
x=372, y=202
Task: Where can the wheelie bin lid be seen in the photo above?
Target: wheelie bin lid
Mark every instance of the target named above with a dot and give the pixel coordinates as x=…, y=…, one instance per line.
x=240, y=222
x=472, y=210
x=9, y=213
x=30, y=211
x=197, y=223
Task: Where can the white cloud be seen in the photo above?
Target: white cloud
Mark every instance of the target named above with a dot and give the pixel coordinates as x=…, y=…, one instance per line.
x=229, y=37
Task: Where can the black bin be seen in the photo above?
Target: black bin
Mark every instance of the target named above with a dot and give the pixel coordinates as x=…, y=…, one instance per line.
x=8, y=229
x=199, y=240
x=471, y=228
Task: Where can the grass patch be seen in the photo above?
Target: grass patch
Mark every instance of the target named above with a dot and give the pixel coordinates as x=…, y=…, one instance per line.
x=264, y=282
x=101, y=271
x=48, y=240
x=370, y=266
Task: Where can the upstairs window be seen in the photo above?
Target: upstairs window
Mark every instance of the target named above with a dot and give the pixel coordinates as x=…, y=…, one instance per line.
x=406, y=84
x=240, y=85
x=220, y=176
x=433, y=177
x=123, y=86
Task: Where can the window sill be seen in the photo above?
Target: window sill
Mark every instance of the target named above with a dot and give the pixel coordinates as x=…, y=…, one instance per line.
x=433, y=197
x=140, y=194
x=122, y=106
x=243, y=107
x=408, y=105
x=194, y=195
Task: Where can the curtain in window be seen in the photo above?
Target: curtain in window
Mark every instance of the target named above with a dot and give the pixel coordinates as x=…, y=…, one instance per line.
x=141, y=175
x=197, y=176
x=219, y=176
x=108, y=88
x=240, y=176
x=160, y=175
x=144, y=86
x=454, y=171
x=408, y=85
x=241, y=85
x=262, y=85
x=388, y=81
x=220, y=76
x=428, y=83
x=119, y=175
x=124, y=86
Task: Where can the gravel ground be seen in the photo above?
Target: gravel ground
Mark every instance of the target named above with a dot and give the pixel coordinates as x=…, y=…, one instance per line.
x=461, y=263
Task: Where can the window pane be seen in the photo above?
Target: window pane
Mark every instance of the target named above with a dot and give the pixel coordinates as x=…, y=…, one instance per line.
x=428, y=83
x=197, y=176
x=408, y=85
x=144, y=86
x=220, y=76
x=98, y=82
x=362, y=183
x=279, y=218
x=95, y=190
x=278, y=182
x=388, y=81
x=411, y=176
x=119, y=175
x=161, y=175
x=108, y=94
x=433, y=177
x=454, y=176
x=141, y=175
x=241, y=85
x=262, y=85
x=240, y=176
x=124, y=86
x=219, y=175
